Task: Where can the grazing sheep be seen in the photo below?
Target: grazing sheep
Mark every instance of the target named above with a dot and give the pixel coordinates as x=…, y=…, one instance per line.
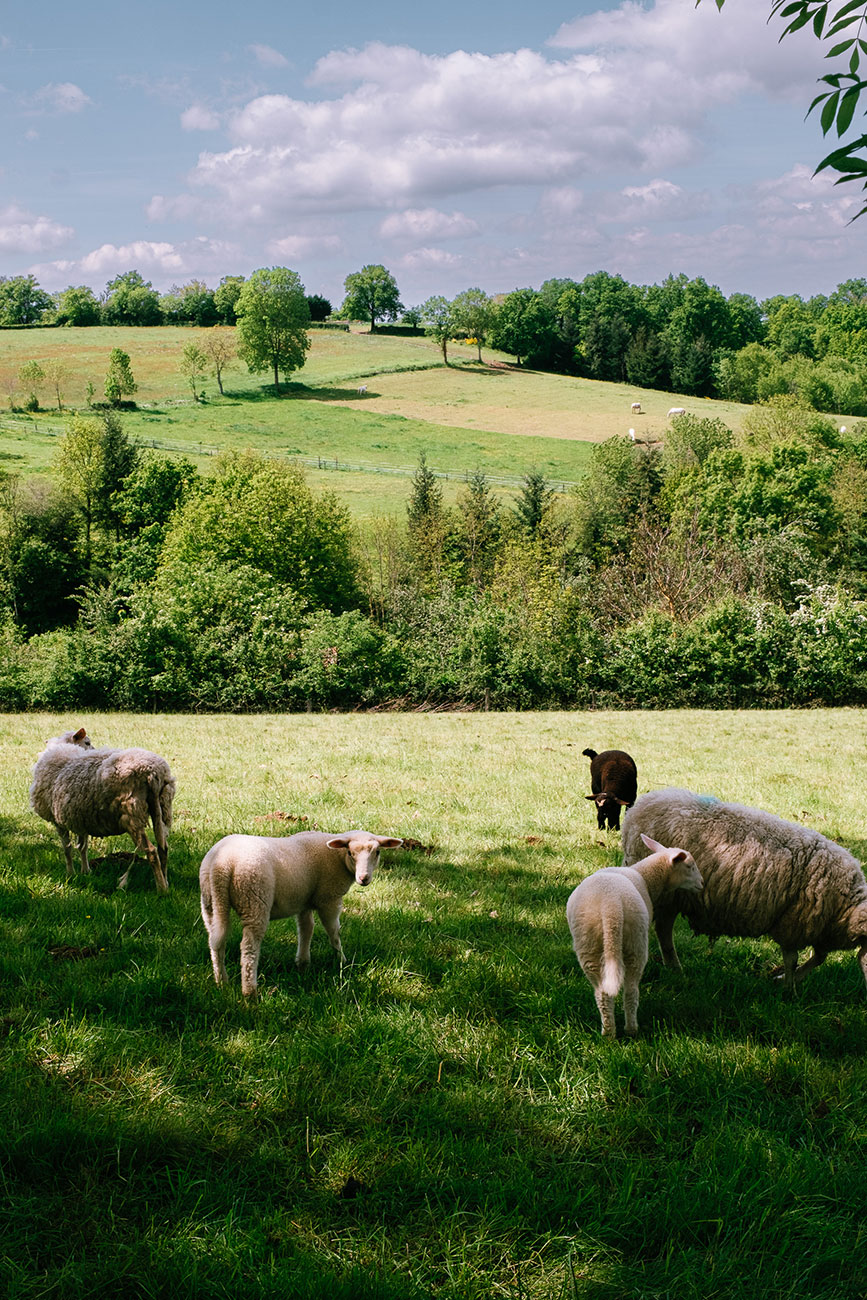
x=762, y=876
x=614, y=782
x=636, y=408
x=676, y=410
x=89, y=791
x=609, y=916
x=264, y=878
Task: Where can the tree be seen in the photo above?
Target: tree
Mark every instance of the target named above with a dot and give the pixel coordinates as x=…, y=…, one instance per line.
x=40, y=568
x=193, y=366
x=119, y=381
x=191, y=303
x=320, y=308
x=93, y=461
x=272, y=322
x=56, y=374
x=226, y=297
x=439, y=322
x=22, y=302
x=525, y=325
x=480, y=529
x=845, y=24
x=32, y=376
x=474, y=314
x=534, y=500
x=371, y=294
x=219, y=346
x=129, y=299
x=77, y=305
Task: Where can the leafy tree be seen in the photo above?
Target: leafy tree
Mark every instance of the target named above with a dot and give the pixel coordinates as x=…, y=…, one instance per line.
x=319, y=307
x=56, y=374
x=371, y=294
x=525, y=325
x=272, y=322
x=119, y=459
x=129, y=299
x=480, y=529
x=533, y=501
x=77, y=305
x=194, y=366
x=219, y=347
x=32, y=376
x=80, y=468
x=439, y=322
x=226, y=297
x=425, y=503
x=792, y=327
x=119, y=381
x=39, y=564
x=191, y=303
x=261, y=513
x=22, y=302
x=474, y=314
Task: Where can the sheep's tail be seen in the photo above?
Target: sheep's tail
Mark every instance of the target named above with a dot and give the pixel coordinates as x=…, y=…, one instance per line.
x=591, y=753
x=612, y=954
x=160, y=795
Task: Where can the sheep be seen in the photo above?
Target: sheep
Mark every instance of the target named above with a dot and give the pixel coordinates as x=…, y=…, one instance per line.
x=264, y=878
x=763, y=876
x=636, y=408
x=362, y=389
x=609, y=917
x=90, y=791
x=614, y=782
x=676, y=410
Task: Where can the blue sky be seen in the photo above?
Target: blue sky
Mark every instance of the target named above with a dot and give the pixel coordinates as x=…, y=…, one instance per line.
x=459, y=144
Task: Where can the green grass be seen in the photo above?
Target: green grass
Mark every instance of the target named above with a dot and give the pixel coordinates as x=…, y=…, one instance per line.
x=464, y=416
x=441, y=1118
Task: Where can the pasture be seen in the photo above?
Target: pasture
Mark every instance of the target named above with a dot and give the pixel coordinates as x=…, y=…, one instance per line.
x=440, y=1118
x=494, y=417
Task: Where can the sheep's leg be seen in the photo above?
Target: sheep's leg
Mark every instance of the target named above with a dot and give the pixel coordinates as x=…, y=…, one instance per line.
x=141, y=841
x=67, y=849
x=663, y=924
x=329, y=915
x=790, y=962
x=82, y=853
x=251, y=944
x=304, y=922
x=605, y=1003
x=811, y=963
x=797, y=972
x=630, y=1005
x=217, y=935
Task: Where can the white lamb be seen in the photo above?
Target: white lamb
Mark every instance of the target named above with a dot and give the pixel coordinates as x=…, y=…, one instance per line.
x=264, y=878
x=762, y=876
x=609, y=915
x=101, y=792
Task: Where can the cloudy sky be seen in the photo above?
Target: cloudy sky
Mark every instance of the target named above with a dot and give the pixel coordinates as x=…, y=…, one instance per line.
x=460, y=144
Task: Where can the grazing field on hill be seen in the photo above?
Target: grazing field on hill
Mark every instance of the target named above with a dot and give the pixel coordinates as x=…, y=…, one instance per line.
x=495, y=417
x=440, y=1118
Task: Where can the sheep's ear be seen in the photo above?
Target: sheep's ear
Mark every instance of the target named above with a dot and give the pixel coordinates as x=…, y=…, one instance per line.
x=389, y=842
x=624, y=803
x=338, y=842
x=678, y=855
x=653, y=845
x=590, y=796
x=79, y=735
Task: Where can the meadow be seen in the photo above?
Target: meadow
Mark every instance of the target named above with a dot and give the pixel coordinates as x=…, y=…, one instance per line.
x=440, y=1117
x=495, y=416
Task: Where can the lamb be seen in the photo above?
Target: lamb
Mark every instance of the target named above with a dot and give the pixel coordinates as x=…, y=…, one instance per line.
x=264, y=878
x=609, y=916
x=90, y=791
x=614, y=782
x=676, y=410
x=636, y=408
x=762, y=876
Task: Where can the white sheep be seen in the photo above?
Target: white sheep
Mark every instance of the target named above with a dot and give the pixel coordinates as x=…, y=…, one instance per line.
x=762, y=876
x=101, y=792
x=636, y=408
x=264, y=878
x=676, y=410
x=609, y=915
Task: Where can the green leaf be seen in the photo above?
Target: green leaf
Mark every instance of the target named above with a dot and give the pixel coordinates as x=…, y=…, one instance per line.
x=819, y=19
x=829, y=112
x=839, y=49
x=847, y=109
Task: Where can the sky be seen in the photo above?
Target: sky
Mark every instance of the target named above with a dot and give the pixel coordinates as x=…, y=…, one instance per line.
x=459, y=144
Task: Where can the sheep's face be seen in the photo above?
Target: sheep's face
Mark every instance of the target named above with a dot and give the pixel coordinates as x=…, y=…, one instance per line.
x=361, y=853
x=684, y=873
x=79, y=738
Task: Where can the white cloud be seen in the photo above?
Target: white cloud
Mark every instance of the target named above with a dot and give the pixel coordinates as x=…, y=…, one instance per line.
x=161, y=262
x=305, y=246
x=199, y=118
x=427, y=258
x=60, y=97
x=268, y=57
x=428, y=223
x=23, y=232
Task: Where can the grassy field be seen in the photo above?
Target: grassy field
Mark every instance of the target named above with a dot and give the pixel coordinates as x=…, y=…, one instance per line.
x=496, y=417
x=440, y=1118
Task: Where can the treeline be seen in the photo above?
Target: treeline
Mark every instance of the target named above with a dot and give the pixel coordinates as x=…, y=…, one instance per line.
x=713, y=571
x=682, y=335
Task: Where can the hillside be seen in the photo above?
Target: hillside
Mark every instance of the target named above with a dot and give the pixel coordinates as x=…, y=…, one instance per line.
x=496, y=416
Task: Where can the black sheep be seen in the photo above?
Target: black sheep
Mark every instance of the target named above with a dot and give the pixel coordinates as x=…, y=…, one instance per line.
x=614, y=782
